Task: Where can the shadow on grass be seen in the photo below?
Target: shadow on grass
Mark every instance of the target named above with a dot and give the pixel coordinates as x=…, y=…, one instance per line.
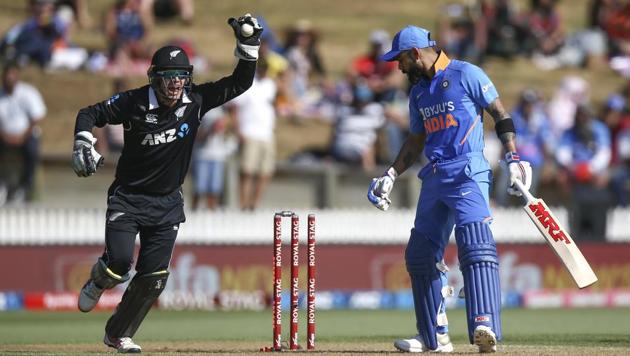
x=618, y=340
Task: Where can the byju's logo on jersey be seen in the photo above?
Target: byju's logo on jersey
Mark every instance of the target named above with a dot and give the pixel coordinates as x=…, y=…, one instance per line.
x=438, y=117
x=151, y=118
x=436, y=109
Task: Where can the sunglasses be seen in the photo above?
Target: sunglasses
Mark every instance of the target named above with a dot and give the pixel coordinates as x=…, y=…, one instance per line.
x=173, y=73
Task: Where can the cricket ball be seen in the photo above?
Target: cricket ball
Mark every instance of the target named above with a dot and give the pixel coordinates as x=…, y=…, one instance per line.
x=247, y=30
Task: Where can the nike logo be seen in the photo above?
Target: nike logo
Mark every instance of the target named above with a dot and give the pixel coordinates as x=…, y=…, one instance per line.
x=115, y=216
x=466, y=193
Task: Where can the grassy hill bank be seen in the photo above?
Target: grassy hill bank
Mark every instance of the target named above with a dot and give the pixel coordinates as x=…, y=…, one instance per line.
x=344, y=27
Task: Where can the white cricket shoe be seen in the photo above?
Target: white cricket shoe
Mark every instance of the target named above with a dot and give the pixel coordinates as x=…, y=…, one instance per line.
x=415, y=344
x=124, y=345
x=485, y=339
x=89, y=296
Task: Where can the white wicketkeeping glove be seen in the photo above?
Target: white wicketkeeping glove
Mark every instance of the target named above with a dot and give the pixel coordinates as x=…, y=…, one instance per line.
x=520, y=170
x=247, y=44
x=85, y=159
x=378, y=193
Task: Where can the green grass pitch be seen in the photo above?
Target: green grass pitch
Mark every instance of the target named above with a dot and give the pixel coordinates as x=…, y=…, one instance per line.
x=572, y=331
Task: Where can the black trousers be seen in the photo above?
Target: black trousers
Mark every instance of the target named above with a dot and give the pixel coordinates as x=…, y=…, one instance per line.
x=155, y=217
x=588, y=212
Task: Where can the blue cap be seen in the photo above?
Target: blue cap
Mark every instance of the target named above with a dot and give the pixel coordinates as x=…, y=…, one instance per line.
x=408, y=38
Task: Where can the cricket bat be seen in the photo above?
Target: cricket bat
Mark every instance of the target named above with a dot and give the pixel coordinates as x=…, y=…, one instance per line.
x=558, y=238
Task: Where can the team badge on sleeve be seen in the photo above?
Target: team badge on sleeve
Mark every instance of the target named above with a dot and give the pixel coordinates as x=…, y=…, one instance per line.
x=111, y=100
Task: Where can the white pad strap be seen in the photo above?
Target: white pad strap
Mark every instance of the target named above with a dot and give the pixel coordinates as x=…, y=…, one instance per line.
x=246, y=52
x=442, y=320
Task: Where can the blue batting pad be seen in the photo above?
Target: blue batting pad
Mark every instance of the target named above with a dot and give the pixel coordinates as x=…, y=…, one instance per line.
x=479, y=264
x=426, y=285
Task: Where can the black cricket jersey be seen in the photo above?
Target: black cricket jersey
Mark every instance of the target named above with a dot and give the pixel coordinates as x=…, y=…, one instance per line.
x=158, y=140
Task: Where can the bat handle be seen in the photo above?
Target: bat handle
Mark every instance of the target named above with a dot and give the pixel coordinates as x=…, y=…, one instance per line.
x=528, y=196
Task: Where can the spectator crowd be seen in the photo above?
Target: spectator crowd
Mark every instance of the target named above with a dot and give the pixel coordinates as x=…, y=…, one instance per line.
x=582, y=149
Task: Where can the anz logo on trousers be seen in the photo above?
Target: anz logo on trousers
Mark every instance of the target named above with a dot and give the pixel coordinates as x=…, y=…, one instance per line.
x=153, y=139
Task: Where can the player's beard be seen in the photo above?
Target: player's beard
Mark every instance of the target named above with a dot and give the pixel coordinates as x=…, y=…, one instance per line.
x=414, y=74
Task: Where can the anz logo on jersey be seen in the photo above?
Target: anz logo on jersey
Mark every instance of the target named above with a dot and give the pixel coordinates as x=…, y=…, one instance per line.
x=437, y=117
x=153, y=139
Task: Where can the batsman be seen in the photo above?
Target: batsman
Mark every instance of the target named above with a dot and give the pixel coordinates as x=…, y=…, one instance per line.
x=446, y=105
x=160, y=122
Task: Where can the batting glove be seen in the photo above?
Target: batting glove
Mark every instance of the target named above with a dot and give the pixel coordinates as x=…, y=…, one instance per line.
x=246, y=46
x=85, y=159
x=378, y=193
x=520, y=170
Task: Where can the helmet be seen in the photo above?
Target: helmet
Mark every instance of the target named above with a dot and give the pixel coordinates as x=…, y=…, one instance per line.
x=169, y=67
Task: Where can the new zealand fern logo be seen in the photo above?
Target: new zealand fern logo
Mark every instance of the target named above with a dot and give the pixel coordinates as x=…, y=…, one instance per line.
x=174, y=54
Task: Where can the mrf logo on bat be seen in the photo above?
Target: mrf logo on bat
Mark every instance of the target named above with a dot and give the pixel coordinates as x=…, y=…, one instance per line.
x=548, y=222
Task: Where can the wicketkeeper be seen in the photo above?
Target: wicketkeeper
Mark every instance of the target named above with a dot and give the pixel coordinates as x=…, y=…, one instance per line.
x=160, y=121
x=446, y=107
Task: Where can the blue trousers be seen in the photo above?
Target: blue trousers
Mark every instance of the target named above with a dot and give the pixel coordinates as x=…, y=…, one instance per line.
x=454, y=193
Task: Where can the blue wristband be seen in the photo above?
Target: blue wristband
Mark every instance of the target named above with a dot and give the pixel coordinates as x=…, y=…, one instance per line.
x=512, y=157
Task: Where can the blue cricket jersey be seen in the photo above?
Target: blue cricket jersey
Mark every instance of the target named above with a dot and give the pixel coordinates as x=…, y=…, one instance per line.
x=533, y=135
x=584, y=152
x=449, y=109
